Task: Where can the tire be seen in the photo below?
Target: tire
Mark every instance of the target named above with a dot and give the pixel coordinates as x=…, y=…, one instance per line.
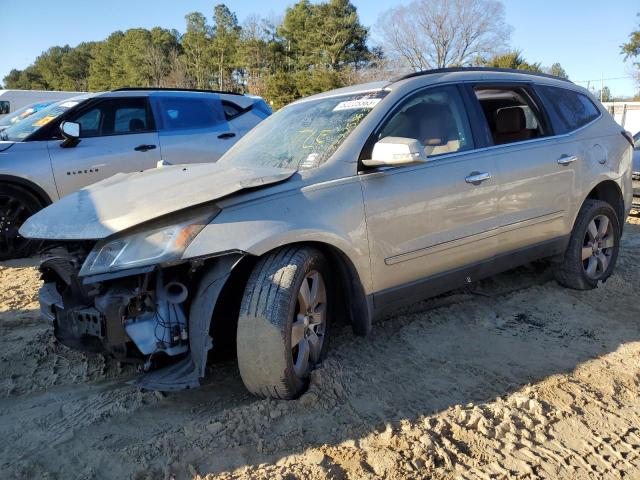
x=271, y=347
x=16, y=205
x=587, y=261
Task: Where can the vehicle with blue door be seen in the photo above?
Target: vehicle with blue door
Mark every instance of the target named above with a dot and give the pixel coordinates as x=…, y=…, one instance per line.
x=79, y=141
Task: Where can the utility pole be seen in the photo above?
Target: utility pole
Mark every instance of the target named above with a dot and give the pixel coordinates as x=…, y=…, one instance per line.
x=601, y=86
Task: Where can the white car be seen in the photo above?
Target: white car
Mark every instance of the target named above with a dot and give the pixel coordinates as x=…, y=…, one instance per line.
x=76, y=142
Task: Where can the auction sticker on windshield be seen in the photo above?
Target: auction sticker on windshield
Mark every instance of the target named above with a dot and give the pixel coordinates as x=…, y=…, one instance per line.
x=357, y=104
x=44, y=120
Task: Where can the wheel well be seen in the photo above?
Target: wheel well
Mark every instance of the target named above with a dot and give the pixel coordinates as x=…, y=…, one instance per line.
x=609, y=191
x=351, y=302
x=29, y=186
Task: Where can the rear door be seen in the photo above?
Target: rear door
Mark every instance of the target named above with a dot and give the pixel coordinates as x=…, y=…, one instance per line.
x=116, y=135
x=536, y=170
x=193, y=127
x=435, y=217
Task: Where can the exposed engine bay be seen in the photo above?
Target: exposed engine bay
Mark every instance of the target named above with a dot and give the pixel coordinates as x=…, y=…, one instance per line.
x=145, y=315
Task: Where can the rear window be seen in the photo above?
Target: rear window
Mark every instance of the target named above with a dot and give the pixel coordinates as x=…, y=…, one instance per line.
x=571, y=110
x=180, y=113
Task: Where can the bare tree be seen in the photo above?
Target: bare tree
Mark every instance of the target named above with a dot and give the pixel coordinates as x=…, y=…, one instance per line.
x=442, y=33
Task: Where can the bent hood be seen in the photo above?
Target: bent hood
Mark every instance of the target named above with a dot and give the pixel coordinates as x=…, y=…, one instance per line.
x=127, y=200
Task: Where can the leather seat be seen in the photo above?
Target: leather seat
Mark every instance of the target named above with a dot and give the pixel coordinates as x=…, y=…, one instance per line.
x=432, y=124
x=511, y=126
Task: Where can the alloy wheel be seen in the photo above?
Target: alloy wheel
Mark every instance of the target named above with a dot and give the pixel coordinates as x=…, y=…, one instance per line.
x=13, y=214
x=309, y=325
x=598, y=246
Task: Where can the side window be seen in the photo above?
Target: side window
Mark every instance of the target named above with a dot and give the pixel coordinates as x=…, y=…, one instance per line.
x=116, y=116
x=510, y=113
x=436, y=118
x=90, y=122
x=572, y=109
x=231, y=109
x=130, y=119
x=180, y=113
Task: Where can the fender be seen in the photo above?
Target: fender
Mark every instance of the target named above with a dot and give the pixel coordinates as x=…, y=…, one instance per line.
x=333, y=215
x=43, y=196
x=188, y=372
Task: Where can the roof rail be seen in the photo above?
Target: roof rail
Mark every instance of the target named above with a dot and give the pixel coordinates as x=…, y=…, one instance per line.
x=168, y=89
x=478, y=69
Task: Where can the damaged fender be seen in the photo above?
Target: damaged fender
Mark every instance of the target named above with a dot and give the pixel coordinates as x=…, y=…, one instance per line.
x=188, y=372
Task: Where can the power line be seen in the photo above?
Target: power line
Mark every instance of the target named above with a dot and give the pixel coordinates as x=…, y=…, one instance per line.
x=599, y=79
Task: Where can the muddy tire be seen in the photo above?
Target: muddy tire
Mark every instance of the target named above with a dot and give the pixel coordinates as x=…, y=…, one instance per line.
x=16, y=205
x=593, y=247
x=282, y=325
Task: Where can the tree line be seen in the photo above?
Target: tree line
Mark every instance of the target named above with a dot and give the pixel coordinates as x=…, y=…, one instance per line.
x=313, y=47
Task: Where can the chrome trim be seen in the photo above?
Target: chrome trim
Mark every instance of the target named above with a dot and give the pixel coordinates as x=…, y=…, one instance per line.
x=566, y=159
x=478, y=178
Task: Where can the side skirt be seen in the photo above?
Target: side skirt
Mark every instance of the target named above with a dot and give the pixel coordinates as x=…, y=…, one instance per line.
x=397, y=297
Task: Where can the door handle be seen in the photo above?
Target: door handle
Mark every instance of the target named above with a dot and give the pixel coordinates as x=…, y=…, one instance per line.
x=476, y=178
x=227, y=135
x=567, y=159
x=144, y=148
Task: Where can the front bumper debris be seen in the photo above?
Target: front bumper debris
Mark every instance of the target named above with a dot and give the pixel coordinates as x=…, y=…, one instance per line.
x=148, y=317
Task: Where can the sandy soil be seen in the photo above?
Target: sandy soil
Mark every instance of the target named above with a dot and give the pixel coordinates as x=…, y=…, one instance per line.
x=514, y=377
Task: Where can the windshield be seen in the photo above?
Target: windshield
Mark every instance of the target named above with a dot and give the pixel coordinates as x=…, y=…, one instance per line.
x=22, y=113
x=303, y=135
x=25, y=127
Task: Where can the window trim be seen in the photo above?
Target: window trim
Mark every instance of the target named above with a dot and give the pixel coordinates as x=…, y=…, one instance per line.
x=149, y=115
x=537, y=105
x=362, y=170
x=367, y=148
x=554, y=116
x=241, y=110
x=163, y=127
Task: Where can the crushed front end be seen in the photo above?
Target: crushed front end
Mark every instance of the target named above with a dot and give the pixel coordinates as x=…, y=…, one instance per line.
x=133, y=315
x=154, y=315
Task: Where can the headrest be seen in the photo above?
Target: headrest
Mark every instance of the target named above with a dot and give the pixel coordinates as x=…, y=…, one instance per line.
x=135, y=125
x=435, y=120
x=510, y=120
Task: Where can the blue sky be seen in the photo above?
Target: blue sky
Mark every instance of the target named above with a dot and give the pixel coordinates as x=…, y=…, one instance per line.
x=584, y=36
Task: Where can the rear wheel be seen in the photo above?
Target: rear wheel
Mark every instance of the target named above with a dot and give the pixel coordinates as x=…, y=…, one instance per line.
x=16, y=205
x=593, y=248
x=283, y=321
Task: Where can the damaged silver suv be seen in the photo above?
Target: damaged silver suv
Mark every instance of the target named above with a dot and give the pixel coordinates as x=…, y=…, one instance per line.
x=344, y=205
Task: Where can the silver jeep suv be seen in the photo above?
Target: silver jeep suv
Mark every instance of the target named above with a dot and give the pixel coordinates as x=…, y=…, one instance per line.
x=343, y=205
x=84, y=139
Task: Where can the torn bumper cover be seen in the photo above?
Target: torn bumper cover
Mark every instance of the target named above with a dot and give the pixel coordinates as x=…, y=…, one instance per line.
x=140, y=315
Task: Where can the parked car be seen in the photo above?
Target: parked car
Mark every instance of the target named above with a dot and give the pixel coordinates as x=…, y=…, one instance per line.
x=82, y=140
x=343, y=205
x=14, y=100
x=21, y=114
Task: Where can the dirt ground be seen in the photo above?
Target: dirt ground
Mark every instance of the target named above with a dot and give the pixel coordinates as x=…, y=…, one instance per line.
x=514, y=377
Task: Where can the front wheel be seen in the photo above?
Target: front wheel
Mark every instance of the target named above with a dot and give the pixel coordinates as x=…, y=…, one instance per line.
x=16, y=205
x=282, y=326
x=593, y=247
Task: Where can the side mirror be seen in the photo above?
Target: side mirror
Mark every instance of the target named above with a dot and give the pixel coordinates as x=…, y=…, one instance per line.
x=395, y=152
x=71, y=133
x=5, y=107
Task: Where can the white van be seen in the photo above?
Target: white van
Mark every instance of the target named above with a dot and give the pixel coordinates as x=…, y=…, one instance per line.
x=12, y=100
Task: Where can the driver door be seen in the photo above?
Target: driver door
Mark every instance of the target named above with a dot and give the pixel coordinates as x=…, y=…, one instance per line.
x=433, y=218
x=116, y=135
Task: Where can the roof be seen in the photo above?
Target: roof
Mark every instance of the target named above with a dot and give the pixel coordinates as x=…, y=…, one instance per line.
x=479, y=70
x=167, y=89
